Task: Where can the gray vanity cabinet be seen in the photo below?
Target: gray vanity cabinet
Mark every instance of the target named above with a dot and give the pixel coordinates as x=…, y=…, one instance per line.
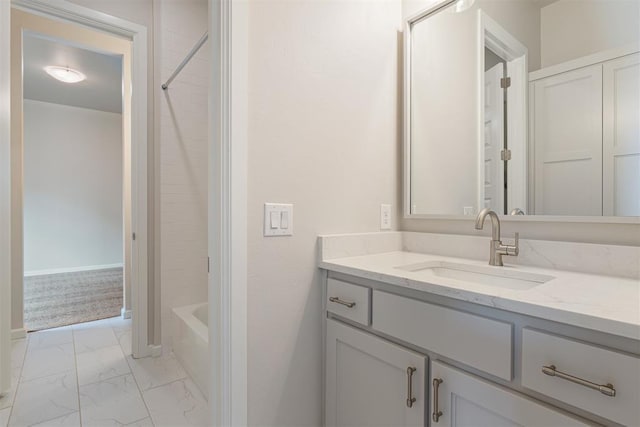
x=460, y=399
x=408, y=360
x=372, y=382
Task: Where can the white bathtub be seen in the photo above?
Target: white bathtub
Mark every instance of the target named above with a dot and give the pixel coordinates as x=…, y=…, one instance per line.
x=191, y=342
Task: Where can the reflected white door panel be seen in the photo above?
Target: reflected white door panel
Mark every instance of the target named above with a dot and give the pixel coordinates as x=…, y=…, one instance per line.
x=493, y=139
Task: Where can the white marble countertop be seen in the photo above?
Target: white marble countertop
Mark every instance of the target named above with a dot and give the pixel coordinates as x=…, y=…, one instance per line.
x=602, y=303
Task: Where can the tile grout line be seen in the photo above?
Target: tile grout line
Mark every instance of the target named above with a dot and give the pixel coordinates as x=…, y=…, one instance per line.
x=170, y=382
x=135, y=380
x=75, y=360
x=19, y=382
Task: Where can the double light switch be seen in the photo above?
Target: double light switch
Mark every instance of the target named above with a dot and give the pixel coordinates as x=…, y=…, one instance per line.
x=278, y=219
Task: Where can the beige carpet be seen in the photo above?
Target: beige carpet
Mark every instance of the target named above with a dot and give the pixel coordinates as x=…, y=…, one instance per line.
x=54, y=300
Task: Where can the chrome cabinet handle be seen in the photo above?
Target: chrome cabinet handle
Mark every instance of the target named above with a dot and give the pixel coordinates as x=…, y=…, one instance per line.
x=606, y=389
x=345, y=303
x=437, y=413
x=410, y=399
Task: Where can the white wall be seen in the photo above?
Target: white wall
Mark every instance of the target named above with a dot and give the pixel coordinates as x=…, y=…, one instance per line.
x=575, y=28
x=442, y=133
x=72, y=187
x=183, y=138
x=324, y=135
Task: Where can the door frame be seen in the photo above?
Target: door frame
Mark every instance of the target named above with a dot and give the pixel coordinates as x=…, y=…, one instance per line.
x=227, y=213
x=496, y=38
x=5, y=196
x=71, y=13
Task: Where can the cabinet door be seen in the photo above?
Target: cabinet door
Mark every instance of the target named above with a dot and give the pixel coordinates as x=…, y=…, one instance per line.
x=465, y=400
x=567, y=138
x=368, y=380
x=621, y=144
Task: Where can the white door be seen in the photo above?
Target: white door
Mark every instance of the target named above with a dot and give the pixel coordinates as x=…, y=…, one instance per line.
x=493, y=139
x=621, y=136
x=465, y=400
x=372, y=382
x=567, y=135
x=517, y=134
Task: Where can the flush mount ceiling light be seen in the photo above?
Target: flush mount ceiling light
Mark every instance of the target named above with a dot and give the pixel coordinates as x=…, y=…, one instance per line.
x=65, y=74
x=462, y=5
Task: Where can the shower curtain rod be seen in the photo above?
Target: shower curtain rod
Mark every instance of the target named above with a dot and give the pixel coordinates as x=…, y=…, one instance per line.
x=186, y=60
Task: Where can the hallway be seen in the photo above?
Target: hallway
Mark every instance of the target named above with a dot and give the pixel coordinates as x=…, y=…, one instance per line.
x=84, y=375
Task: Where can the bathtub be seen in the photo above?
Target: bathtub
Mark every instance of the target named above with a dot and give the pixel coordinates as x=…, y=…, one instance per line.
x=190, y=337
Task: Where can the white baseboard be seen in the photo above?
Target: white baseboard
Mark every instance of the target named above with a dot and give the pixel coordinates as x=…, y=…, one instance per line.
x=126, y=314
x=71, y=269
x=156, y=350
x=19, y=333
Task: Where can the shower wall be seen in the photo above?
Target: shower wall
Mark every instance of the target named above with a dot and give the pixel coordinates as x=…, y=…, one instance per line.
x=183, y=157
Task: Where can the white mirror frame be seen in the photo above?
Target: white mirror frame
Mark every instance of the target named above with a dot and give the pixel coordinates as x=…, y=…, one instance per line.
x=410, y=22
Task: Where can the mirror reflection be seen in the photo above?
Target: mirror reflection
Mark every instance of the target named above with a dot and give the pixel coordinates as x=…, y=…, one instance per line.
x=526, y=107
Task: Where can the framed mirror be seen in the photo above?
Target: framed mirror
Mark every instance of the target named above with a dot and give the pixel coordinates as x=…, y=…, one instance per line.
x=528, y=107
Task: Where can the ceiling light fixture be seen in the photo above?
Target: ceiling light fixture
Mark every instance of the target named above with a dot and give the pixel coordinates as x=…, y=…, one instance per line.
x=65, y=74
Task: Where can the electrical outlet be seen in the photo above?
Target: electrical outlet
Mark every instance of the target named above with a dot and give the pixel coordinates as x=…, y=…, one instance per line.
x=469, y=210
x=385, y=217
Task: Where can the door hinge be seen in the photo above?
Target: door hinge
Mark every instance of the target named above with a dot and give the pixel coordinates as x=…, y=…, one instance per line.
x=133, y=236
x=505, y=82
x=208, y=265
x=505, y=155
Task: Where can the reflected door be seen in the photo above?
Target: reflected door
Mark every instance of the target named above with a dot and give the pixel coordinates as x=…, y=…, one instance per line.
x=493, y=139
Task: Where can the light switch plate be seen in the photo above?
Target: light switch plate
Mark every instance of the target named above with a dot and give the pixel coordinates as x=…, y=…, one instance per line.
x=385, y=217
x=278, y=219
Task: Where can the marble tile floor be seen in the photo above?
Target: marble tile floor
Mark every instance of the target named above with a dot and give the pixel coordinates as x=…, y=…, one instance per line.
x=84, y=375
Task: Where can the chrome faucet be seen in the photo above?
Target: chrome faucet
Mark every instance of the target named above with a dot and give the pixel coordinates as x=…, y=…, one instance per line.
x=497, y=249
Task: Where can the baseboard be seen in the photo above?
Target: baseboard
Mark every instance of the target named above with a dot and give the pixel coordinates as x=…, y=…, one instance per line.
x=156, y=350
x=19, y=333
x=71, y=269
x=126, y=314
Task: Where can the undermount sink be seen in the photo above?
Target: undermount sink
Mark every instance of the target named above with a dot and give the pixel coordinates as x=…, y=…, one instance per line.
x=500, y=277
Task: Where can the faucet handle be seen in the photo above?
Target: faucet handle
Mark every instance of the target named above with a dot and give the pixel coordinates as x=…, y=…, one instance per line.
x=515, y=249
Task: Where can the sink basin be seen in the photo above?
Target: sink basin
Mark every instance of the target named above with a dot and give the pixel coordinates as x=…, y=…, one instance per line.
x=500, y=277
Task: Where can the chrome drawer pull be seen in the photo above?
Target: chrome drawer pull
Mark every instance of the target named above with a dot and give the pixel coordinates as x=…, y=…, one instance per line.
x=345, y=303
x=606, y=389
x=410, y=399
x=437, y=413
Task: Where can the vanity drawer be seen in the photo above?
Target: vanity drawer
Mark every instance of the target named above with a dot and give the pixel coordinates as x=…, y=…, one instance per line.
x=595, y=365
x=484, y=344
x=349, y=301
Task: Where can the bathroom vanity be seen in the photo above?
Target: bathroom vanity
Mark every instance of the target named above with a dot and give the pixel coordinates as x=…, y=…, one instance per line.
x=415, y=336
x=508, y=112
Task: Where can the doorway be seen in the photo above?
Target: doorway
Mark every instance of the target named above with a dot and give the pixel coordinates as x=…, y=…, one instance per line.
x=82, y=29
x=73, y=184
